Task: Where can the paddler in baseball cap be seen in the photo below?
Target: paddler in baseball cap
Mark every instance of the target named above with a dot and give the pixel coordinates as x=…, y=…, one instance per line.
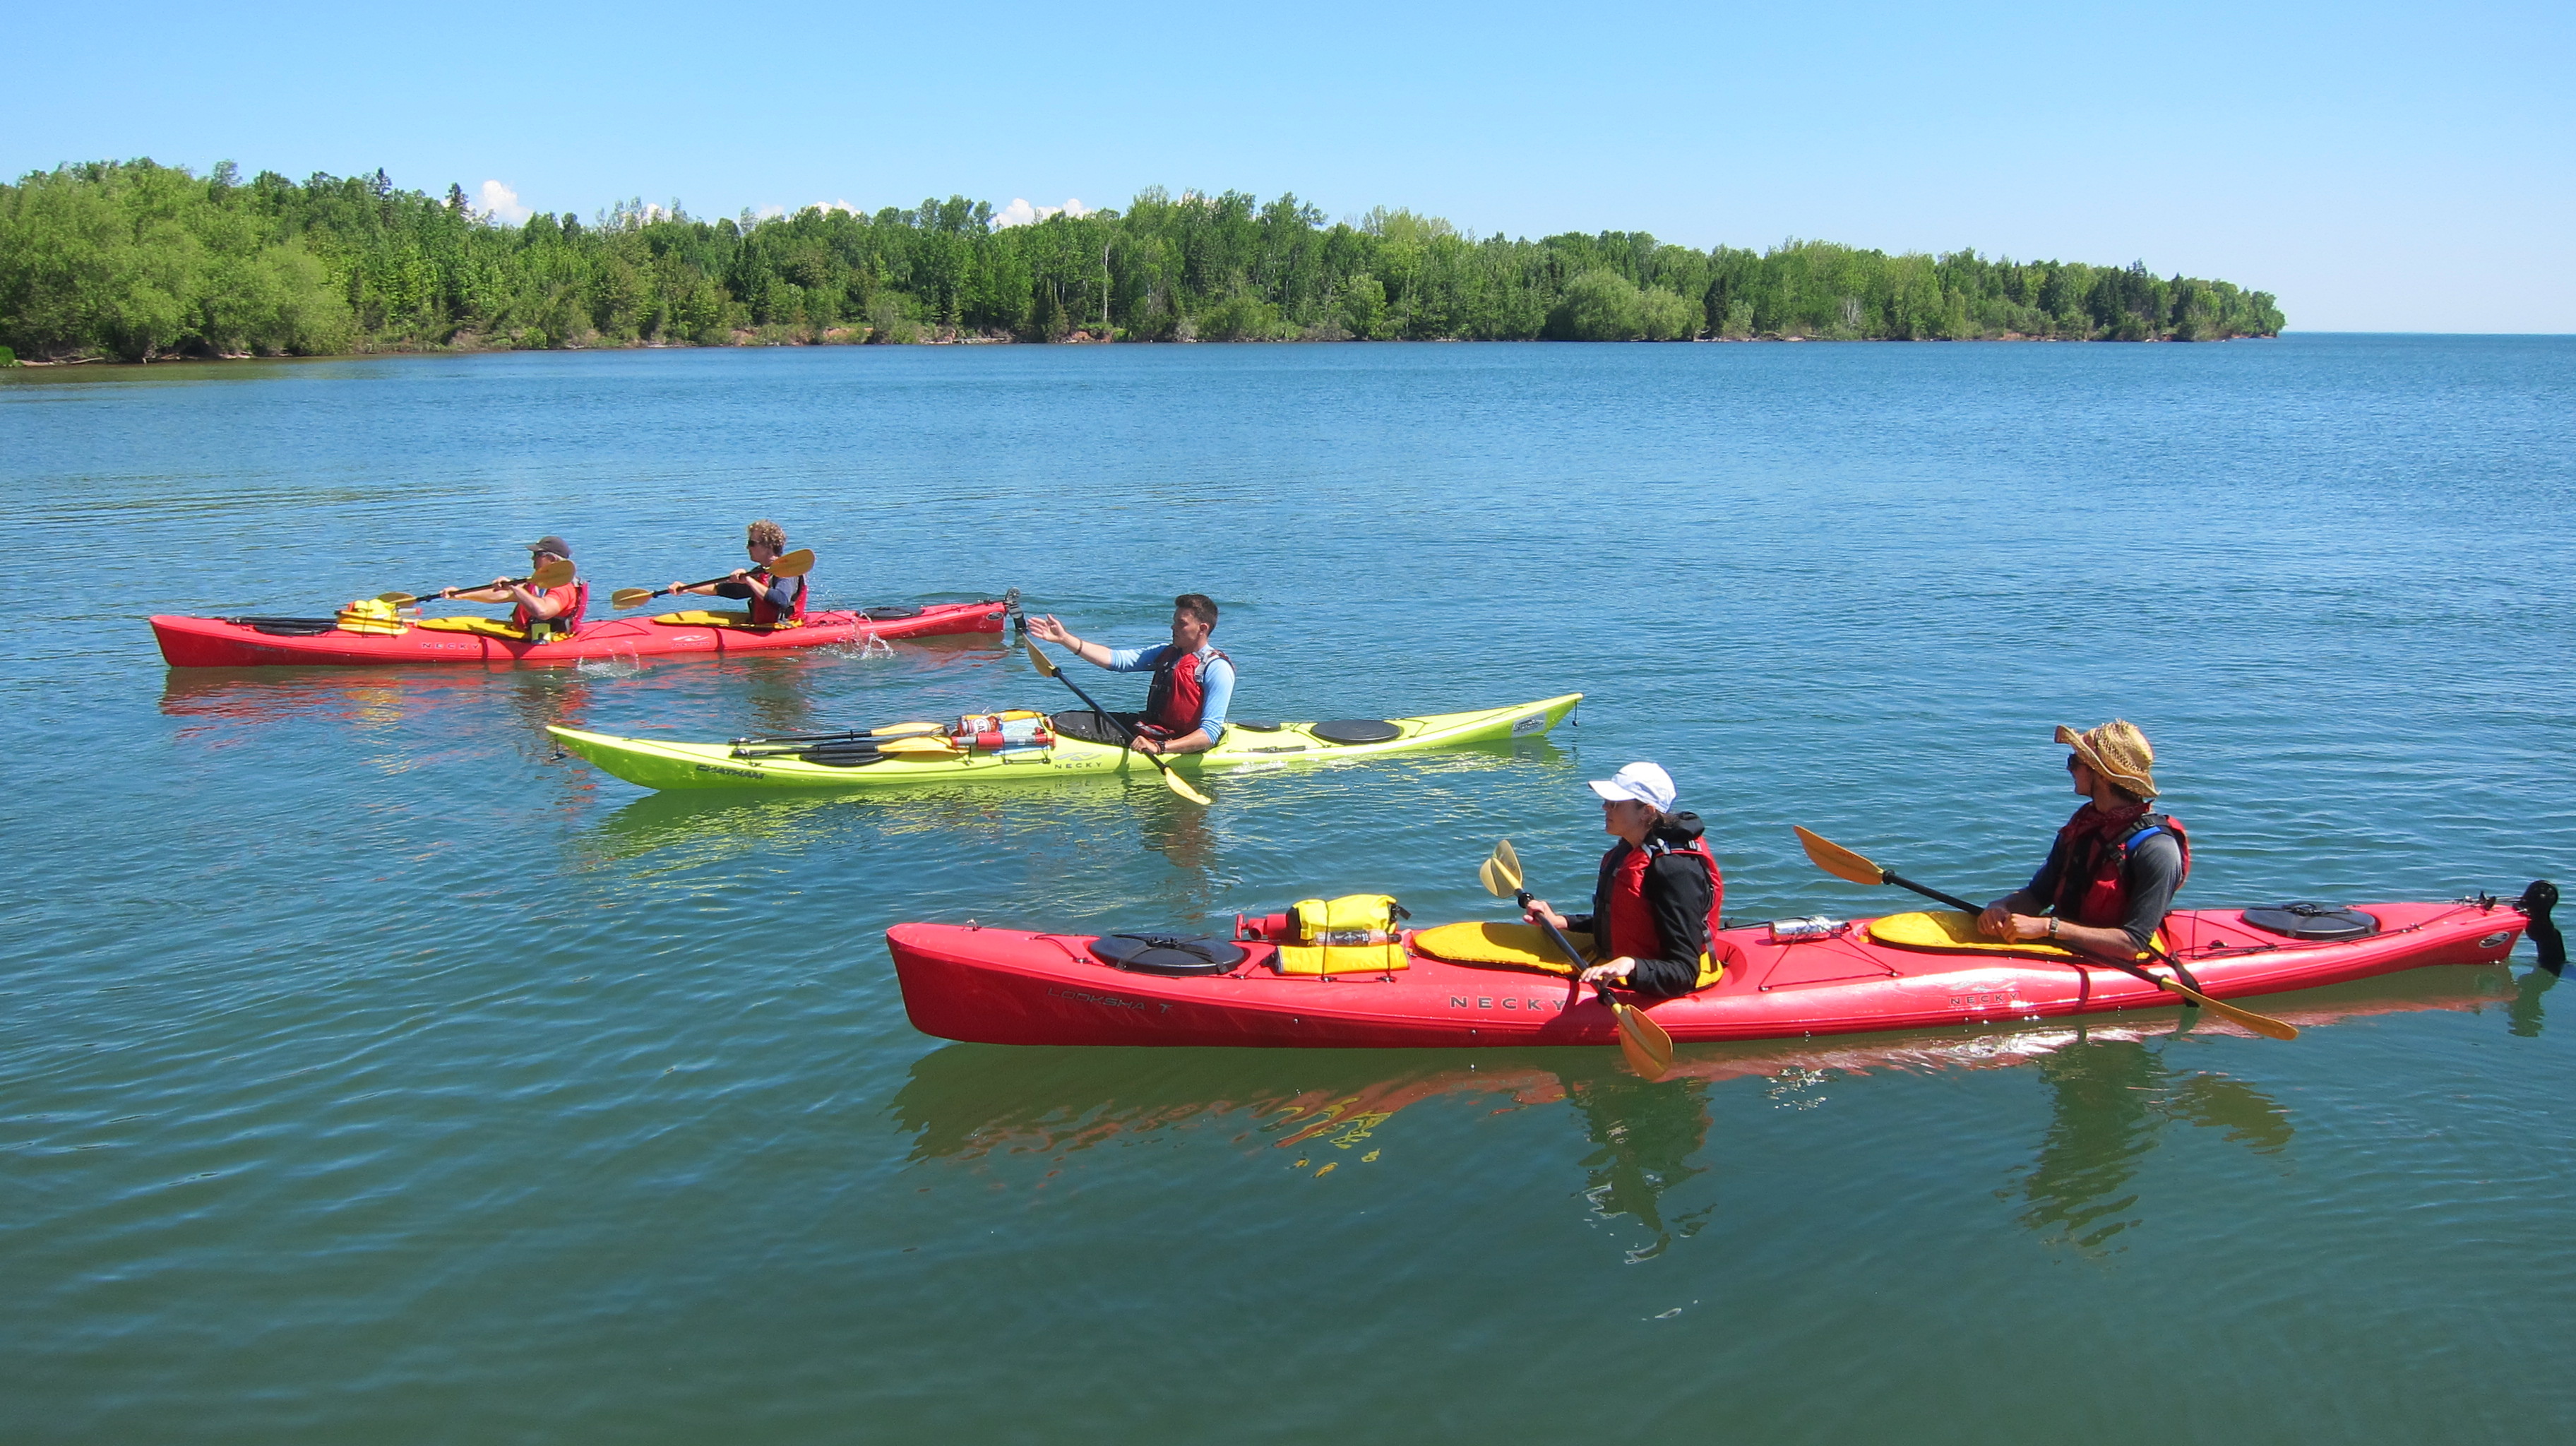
x=2110, y=877
x=545, y=612
x=1654, y=916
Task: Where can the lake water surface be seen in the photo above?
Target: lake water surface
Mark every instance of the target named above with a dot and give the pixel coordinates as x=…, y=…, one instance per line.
x=370, y=1073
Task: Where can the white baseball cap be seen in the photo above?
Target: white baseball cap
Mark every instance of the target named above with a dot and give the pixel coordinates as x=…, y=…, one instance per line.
x=1643, y=782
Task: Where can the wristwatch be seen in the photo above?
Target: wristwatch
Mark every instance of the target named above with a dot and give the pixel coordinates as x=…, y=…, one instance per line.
x=2052, y=926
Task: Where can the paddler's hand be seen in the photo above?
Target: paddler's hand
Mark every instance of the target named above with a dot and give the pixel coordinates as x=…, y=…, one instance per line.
x=1146, y=744
x=1048, y=630
x=1614, y=972
x=1991, y=923
x=741, y=574
x=1539, y=913
x=447, y=593
x=2016, y=928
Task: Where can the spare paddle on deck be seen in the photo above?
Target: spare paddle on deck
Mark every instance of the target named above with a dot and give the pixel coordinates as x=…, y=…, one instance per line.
x=1170, y=779
x=553, y=574
x=1648, y=1048
x=1842, y=863
x=792, y=564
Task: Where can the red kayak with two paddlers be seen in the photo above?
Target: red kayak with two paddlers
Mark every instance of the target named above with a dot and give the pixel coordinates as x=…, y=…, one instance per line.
x=1475, y=984
x=253, y=642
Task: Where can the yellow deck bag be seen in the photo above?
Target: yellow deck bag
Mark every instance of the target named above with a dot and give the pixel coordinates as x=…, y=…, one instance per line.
x=373, y=616
x=1516, y=946
x=1354, y=934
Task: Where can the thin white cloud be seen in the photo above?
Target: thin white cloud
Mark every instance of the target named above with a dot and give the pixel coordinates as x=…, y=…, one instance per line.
x=1021, y=213
x=502, y=204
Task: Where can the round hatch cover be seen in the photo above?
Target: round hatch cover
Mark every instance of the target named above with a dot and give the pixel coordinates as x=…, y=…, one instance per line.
x=1166, y=954
x=2312, y=921
x=1356, y=730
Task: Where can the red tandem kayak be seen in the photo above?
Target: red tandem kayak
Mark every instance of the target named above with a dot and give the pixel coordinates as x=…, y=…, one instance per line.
x=312, y=642
x=1007, y=986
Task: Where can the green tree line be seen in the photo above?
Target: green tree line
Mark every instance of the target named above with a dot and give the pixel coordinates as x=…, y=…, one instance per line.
x=141, y=261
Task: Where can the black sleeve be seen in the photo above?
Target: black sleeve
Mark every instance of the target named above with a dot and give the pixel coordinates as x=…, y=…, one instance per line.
x=1677, y=890
x=733, y=589
x=2043, y=885
x=2149, y=878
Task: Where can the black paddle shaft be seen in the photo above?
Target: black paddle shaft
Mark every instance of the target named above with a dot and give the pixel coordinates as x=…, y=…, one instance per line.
x=1955, y=902
x=1126, y=732
x=1600, y=989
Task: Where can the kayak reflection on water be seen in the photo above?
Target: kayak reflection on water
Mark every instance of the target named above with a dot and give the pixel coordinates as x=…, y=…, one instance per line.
x=2110, y=1098
x=1332, y=1111
x=1645, y=1135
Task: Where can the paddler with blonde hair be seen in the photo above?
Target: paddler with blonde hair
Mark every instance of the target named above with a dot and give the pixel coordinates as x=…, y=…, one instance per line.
x=2111, y=875
x=774, y=600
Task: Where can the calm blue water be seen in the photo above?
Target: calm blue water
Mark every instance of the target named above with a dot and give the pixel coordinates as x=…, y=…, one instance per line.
x=369, y=1073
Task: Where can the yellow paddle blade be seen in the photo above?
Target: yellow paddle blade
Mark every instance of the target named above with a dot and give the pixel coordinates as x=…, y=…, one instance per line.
x=916, y=745
x=1172, y=779
x=553, y=574
x=2262, y=1024
x=1649, y=1049
x=1501, y=871
x=397, y=599
x=1838, y=861
x=632, y=597
x=1040, y=659
x=792, y=564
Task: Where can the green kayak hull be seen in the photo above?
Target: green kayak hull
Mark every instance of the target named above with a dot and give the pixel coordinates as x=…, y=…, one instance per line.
x=657, y=764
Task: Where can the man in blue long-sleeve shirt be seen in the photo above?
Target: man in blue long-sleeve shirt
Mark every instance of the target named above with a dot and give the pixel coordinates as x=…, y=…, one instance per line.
x=1193, y=682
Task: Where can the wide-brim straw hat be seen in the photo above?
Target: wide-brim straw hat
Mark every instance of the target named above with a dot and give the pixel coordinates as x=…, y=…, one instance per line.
x=2117, y=751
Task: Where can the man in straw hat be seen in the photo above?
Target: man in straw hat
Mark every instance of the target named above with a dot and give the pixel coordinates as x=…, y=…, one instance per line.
x=2110, y=877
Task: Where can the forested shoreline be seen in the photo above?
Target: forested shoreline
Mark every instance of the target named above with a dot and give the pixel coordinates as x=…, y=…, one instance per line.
x=138, y=262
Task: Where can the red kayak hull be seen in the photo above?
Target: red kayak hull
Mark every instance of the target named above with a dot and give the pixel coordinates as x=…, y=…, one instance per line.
x=1007, y=986
x=214, y=643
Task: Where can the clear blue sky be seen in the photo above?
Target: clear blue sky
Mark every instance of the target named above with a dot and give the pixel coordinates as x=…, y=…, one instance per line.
x=2378, y=167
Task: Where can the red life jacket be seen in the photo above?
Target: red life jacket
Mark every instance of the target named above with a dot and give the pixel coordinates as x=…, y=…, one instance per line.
x=1179, y=693
x=767, y=614
x=2092, y=888
x=563, y=624
x=1627, y=926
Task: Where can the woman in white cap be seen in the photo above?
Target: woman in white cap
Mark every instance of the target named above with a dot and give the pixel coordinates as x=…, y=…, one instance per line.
x=1654, y=910
x=2111, y=875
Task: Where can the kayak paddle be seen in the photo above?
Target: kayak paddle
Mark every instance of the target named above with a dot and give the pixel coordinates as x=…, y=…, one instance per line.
x=1842, y=863
x=553, y=574
x=851, y=735
x=1170, y=779
x=1648, y=1048
x=793, y=564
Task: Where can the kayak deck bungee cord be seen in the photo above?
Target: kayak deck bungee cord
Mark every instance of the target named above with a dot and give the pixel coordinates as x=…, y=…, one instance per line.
x=1027, y=744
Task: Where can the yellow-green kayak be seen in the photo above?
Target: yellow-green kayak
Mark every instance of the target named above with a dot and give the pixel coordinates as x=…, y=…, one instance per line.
x=857, y=760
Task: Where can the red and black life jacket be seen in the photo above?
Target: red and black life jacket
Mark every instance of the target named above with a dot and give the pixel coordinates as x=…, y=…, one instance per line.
x=1179, y=693
x=563, y=624
x=1623, y=923
x=767, y=614
x=2092, y=885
